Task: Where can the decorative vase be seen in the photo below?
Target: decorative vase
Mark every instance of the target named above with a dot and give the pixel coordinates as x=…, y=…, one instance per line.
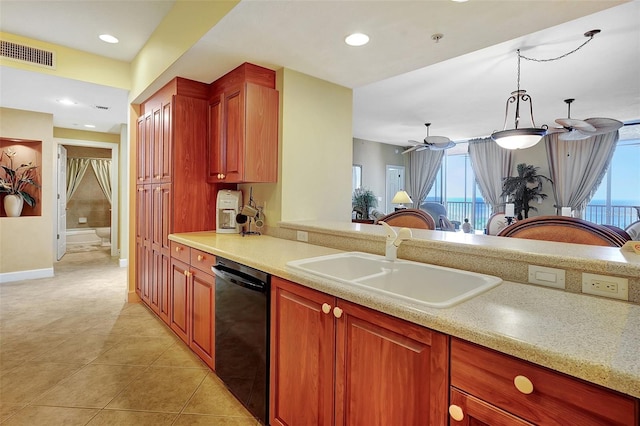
x=13, y=205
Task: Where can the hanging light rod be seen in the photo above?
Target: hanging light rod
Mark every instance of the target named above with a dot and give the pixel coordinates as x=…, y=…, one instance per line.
x=520, y=138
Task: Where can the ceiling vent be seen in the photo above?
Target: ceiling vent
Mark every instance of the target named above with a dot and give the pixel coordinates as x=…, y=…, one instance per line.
x=28, y=54
x=102, y=107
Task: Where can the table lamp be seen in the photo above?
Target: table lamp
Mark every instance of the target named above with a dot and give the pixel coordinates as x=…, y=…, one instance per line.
x=400, y=198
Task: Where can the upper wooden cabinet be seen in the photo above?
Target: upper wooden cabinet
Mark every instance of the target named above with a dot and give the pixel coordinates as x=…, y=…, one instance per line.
x=243, y=126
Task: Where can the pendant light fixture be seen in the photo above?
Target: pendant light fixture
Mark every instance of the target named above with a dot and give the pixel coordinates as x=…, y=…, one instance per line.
x=520, y=138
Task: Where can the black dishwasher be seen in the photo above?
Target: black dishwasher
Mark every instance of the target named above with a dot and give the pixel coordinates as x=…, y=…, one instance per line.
x=242, y=333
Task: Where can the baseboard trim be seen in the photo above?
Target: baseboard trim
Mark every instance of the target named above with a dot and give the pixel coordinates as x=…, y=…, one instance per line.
x=132, y=297
x=123, y=263
x=7, y=277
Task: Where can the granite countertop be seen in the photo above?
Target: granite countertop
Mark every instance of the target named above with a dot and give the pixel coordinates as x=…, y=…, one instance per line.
x=591, y=338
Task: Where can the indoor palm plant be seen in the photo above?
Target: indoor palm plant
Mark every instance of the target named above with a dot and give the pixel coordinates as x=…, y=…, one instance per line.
x=362, y=201
x=523, y=188
x=14, y=183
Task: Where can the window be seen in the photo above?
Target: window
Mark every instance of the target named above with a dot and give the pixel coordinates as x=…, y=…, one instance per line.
x=617, y=200
x=455, y=187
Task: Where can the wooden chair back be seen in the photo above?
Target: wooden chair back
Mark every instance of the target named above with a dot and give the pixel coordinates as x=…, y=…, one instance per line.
x=567, y=230
x=409, y=218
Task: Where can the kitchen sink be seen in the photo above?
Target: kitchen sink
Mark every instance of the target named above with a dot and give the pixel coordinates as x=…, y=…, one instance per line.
x=421, y=283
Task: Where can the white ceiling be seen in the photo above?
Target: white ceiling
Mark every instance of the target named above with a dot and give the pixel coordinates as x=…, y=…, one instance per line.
x=400, y=79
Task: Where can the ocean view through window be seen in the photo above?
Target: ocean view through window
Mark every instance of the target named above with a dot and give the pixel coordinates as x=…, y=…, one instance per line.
x=616, y=201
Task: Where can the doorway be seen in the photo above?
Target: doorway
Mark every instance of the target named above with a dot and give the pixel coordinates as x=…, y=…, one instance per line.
x=60, y=228
x=394, y=183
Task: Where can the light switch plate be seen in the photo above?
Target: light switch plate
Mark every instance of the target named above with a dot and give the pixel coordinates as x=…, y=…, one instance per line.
x=550, y=277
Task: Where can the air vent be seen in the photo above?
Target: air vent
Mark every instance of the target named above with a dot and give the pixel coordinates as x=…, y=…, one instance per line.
x=102, y=107
x=27, y=54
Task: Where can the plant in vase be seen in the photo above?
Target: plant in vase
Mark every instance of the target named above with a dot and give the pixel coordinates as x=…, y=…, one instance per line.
x=14, y=184
x=362, y=202
x=524, y=188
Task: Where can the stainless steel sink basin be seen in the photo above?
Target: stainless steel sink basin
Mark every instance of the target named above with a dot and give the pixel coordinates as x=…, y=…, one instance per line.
x=421, y=283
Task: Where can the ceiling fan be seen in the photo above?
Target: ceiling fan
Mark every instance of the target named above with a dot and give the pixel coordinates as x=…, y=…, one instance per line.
x=434, y=143
x=574, y=130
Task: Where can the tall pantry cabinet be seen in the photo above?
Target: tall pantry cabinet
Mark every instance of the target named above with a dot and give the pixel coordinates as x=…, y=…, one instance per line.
x=172, y=190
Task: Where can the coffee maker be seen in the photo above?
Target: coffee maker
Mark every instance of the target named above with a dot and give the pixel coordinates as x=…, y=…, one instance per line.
x=228, y=206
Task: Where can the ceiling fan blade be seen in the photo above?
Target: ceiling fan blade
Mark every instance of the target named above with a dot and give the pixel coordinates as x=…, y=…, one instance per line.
x=556, y=130
x=574, y=135
x=413, y=148
x=572, y=123
x=422, y=148
x=415, y=142
x=604, y=125
x=432, y=140
x=442, y=146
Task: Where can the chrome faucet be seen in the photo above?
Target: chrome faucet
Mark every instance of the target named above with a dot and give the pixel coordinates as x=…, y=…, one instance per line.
x=394, y=240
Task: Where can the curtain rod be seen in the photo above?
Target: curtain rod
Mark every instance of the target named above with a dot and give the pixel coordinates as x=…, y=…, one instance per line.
x=91, y=158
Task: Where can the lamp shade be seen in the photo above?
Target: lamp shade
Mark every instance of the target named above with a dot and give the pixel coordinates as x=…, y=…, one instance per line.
x=401, y=197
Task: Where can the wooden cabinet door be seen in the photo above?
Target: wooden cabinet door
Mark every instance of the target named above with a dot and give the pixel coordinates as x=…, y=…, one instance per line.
x=233, y=119
x=144, y=148
x=203, y=297
x=162, y=142
x=141, y=153
x=466, y=410
x=388, y=371
x=179, y=300
x=260, y=157
x=216, y=151
x=161, y=216
x=302, y=355
x=164, y=296
x=144, y=198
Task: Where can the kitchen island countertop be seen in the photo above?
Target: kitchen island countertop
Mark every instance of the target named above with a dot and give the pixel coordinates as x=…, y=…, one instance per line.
x=587, y=337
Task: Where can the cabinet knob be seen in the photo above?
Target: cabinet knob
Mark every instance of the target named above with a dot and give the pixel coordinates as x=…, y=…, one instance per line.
x=523, y=384
x=178, y=248
x=337, y=312
x=455, y=411
x=200, y=258
x=326, y=308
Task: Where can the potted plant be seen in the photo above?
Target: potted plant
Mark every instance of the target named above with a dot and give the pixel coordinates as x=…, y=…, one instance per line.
x=362, y=201
x=524, y=188
x=14, y=184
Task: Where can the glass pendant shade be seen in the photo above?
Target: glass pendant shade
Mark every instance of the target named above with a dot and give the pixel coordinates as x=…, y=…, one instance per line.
x=518, y=138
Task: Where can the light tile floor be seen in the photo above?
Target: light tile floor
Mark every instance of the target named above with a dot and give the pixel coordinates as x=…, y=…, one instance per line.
x=73, y=352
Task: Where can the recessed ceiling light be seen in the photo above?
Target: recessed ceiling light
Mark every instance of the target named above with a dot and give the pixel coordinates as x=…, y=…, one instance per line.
x=460, y=1
x=357, y=39
x=108, y=38
x=89, y=126
x=66, y=101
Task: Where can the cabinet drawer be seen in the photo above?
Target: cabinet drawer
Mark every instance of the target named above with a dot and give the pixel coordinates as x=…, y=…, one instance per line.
x=202, y=260
x=180, y=252
x=554, y=398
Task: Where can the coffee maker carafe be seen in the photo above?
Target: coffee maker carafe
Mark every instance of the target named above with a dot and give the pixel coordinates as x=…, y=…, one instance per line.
x=227, y=208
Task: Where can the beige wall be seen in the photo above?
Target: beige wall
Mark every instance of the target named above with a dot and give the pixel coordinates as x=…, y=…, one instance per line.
x=315, y=152
x=374, y=157
x=26, y=242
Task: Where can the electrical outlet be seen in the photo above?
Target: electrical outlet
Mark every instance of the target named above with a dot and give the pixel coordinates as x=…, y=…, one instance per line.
x=602, y=285
x=302, y=236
